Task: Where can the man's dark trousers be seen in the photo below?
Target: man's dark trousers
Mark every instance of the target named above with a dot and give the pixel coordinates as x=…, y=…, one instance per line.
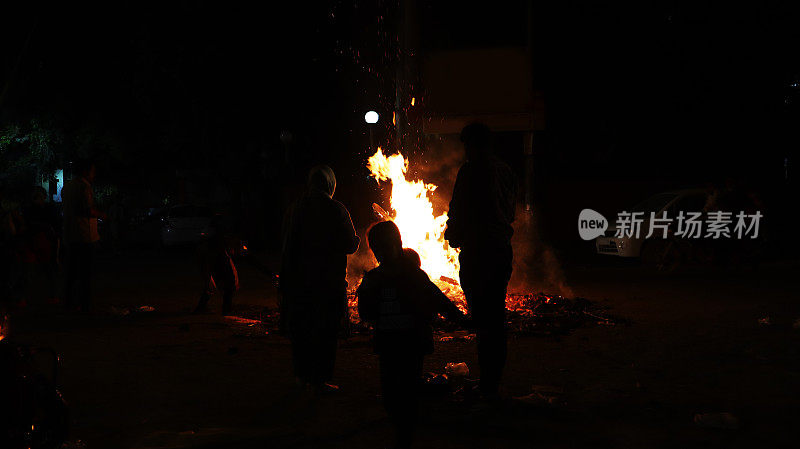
x=484, y=277
x=78, y=274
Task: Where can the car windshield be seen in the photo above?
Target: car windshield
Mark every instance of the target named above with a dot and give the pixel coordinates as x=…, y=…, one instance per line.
x=655, y=203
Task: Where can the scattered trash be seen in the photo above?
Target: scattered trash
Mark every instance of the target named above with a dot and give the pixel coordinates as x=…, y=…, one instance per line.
x=723, y=420
x=457, y=369
x=242, y=320
x=764, y=321
x=125, y=311
x=543, y=395
x=459, y=336
x=435, y=384
x=537, y=398
x=436, y=379
x=120, y=311
x=554, y=315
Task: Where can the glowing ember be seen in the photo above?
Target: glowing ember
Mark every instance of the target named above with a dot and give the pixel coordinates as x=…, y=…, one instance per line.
x=422, y=230
x=241, y=320
x=3, y=326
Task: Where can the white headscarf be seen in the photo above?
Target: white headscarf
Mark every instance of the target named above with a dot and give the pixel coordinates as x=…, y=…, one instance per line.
x=322, y=179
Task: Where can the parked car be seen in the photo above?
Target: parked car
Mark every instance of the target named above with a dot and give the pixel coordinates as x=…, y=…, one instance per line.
x=184, y=224
x=691, y=200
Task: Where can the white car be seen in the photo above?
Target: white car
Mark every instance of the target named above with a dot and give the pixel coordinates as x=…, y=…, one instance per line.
x=185, y=224
x=691, y=200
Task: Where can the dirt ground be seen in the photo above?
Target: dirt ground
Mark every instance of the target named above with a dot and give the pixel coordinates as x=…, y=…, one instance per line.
x=168, y=379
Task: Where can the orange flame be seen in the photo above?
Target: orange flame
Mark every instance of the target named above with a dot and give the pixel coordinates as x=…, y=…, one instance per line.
x=420, y=228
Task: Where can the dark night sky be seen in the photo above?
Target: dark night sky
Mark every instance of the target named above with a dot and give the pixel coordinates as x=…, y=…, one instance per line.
x=637, y=89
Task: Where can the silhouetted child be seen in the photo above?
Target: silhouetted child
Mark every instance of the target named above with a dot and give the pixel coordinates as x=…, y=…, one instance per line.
x=401, y=302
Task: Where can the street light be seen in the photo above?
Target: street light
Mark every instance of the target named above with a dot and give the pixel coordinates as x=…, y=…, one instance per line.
x=371, y=117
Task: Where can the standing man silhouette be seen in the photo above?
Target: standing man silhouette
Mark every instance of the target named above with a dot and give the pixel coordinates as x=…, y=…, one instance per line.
x=80, y=235
x=479, y=222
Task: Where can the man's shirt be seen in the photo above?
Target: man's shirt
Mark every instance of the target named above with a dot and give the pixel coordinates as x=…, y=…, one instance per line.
x=482, y=208
x=78, y=200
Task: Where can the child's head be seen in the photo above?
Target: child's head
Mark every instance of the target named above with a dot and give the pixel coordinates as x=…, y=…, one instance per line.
x=412, y=257
x=385, y=241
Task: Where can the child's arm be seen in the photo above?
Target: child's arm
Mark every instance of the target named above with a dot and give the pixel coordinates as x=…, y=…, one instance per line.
x=441, y=303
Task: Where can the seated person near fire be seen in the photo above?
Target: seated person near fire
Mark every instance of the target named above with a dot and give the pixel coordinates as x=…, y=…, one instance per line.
x=400, y=301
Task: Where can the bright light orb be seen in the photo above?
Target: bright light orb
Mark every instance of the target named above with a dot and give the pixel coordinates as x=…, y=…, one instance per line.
x=371, y=117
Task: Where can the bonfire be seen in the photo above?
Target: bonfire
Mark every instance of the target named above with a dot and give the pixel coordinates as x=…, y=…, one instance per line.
x=411, y=208
x=422, y=230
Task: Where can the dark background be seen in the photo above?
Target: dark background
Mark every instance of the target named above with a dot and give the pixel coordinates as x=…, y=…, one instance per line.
x=640, y=96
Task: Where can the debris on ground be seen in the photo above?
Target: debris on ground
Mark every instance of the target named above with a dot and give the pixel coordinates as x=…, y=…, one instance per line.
x=530, y=314
x=249, y=325
x=243, y=320
x=126, y=311
x=435, y=384
x=543, y=395
x=723, y=420
x=460, y=369
x=536, y=398
x=764, y=321
x=455, y=336
x=541, y=314
x=119, y=311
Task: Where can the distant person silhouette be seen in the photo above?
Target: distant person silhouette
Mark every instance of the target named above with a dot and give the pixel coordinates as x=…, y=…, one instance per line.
x=479, y=222
x=401, y=302
x=43, y=237
x=80, y=235
x=12, y=226
x=217, y=269
x=318, y=237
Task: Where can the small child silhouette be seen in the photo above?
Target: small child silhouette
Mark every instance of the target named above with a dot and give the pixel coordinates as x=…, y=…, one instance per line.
x=400, y=301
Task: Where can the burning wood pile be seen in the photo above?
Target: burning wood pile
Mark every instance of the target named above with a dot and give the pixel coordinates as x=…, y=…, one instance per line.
x=422, y=230
x=528, y=314
x=541, y=314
